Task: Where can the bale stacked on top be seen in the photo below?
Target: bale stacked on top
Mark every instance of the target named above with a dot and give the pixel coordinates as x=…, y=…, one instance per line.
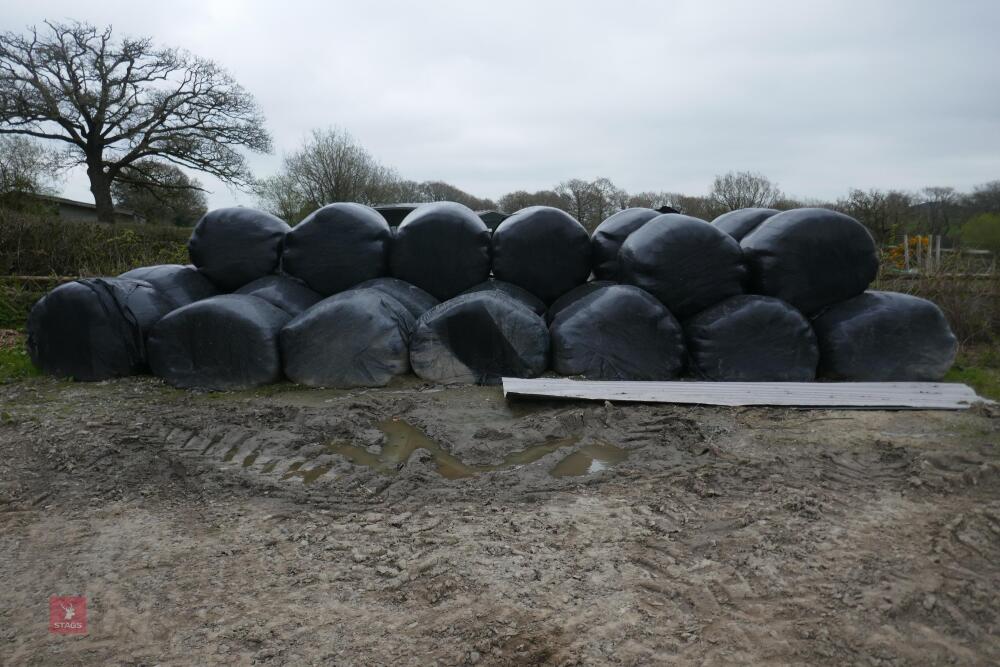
x=744, y=287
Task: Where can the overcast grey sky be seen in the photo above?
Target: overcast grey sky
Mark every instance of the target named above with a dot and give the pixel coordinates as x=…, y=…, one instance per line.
x=820, y=96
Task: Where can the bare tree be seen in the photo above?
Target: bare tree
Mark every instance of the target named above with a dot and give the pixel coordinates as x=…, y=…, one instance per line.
x=653, y=200
x=591, y=202
x=441, y=191
x=704, y=208
x=329, y=167
x=113, y=103
x=579, y=194
x=744, y=189
x=985, y=198
x=883, y=213
x=160, y=192
x=939, y=205
x=26, y=167
x=515, y=201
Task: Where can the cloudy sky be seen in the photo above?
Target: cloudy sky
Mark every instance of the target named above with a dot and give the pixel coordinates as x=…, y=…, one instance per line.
x=820, y=96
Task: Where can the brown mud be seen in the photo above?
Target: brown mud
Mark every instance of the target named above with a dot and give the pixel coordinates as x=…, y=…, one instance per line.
x=417, y=524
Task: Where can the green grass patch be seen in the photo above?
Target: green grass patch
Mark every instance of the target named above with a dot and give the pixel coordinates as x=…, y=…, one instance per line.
x=14, y=361
x=978, y=367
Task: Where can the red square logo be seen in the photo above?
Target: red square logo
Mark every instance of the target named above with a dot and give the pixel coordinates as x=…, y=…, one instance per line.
x=67, y=615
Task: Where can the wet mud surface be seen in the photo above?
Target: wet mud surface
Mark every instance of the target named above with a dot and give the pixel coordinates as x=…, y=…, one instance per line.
x=417, y=524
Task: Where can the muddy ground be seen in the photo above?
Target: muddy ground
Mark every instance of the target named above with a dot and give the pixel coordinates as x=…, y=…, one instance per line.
x=270, y=527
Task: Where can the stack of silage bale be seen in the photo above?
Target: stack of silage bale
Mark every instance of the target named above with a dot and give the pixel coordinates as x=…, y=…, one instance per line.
x=339, y=300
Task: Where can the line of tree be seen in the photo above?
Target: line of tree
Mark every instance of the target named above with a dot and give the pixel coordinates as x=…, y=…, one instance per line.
x=136, y=116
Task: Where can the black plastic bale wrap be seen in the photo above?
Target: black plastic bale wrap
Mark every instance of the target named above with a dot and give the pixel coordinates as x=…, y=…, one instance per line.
x=884, y=336
x=233, y=246
x=338, y=246
x=224, y=342
x=684, y=262
x=617, y=333
x=289, y=294
x=543, y=250
x=513, y=291
x=479, y=338
x=414, y=299
x=751, y=338
x=742, y=221
x=810, y=257
x=358, y=338
x=180, y=284
x=609, y=237
x=95, y=329
x=442, y=248
x=574, y=295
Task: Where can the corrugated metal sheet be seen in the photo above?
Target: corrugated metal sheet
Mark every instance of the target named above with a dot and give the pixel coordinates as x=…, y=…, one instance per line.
x=854, y=395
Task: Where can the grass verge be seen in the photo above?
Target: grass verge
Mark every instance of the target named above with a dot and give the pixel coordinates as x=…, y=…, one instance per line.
x=14, y=361
x=978, y=367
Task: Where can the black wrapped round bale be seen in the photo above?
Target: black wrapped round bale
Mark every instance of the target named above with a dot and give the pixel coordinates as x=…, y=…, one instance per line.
x=233, y=246
x=414, y=299
x=810, y=257
x=442, y=248
x=358, y=338
x=289, y=294
x=617, y=333
x=225, y=342
x=684, y=262
x=180, y=284
x=742, y=221
x=543, y=250
x=513, y=291
x=94, y=329
x=609, y=237
x=479, y=338
x=751, y=338
x=574, y=295
x=337, y=246
x=884, y=337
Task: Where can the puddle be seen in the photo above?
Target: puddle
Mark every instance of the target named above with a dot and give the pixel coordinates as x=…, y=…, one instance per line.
x=589, y=460
x=309, y=476
x=403, y=439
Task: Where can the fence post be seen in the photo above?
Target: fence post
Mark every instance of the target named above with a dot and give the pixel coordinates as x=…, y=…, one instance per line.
x=906, y=252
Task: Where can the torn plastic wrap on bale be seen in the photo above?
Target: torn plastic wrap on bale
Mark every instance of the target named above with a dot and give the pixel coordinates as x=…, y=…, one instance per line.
x=337, y=247
x=810, y=257
x=543, y=250
x=751, y=338
x=95, y=329
x=289, y=294
x=225, y=342
x=442, y=248
x=884, y=336
x=513, y=291
x=180, y=284
x=609, y=237
x=358, y=338
x=233, y=246
x=684, y=262
x=414, y=299
x=617, y=333
x=479, y=338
